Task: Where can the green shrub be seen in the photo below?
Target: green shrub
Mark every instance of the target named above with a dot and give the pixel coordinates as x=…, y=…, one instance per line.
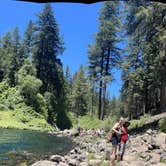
x=108, y=124
x=140, y=122
x=3, y=107
x=3, y=86
x=41, y=105
x=23, y=120
x=9, y=96
x=162, y=125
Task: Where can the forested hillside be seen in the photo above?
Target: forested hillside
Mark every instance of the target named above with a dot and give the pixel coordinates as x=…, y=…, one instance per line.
x=35, y=92
x=32, y=80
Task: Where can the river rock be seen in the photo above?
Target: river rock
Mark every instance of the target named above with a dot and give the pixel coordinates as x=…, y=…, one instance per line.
x=160, y=164
x=23, y=164
x=74, y=132
x=98, y=157
x=73, y=162
x=163, y=155
x=130, y=157
x=83, y=164
x=123, y=163
x=149, y=131
x=44, y=163
x=155, y=158
x=83, y=157
x=67, y=158
x=72, y=151
x=148, y=157
x=101, y=147
x=74, y=156
x=107, y=155
x=92, y=150
x=161, y=140
x=94, y=162
x=138, y=163
x=56, y=158
x=83, y=145
x=62, y=164
x=66, y=132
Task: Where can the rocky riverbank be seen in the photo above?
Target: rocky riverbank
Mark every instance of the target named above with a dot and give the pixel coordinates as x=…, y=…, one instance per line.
x=93, y=150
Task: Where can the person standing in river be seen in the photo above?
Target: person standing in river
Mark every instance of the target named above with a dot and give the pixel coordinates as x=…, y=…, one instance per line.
x=116, y=137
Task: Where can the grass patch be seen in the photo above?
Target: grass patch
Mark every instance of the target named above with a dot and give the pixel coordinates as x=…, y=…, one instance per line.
x=163, y=161
x=106, y=163
x=91, y=157
x=86, y=121
x=21, y=120
x=89, y=122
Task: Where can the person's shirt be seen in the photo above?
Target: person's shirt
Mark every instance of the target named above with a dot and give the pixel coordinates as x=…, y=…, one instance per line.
x=124, y=136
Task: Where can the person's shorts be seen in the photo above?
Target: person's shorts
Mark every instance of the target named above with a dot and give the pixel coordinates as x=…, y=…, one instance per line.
x=114, y=141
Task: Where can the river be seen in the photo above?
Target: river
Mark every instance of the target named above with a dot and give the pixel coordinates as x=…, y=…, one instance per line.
x=24, y=146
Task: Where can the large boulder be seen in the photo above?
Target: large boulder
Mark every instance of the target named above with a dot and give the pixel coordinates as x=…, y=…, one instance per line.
x=138, y=163
x=73, y=162
x=107, y=155
x=160, y=140
x=56, y=158
x=74, y=132
x=155, y=158
x=83, y=164
x=123, y=163
x=62, y=164
x=94, y=162
x=130, y=158
x=160, y=164
x=44, y=163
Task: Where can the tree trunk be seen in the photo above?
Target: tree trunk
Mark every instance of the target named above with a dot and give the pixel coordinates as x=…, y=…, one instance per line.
x=103, y=111
x=146, y=98
x=92, y=96
x=101, y=84
x=163, y=95
x=163, y=77
x=100, y=98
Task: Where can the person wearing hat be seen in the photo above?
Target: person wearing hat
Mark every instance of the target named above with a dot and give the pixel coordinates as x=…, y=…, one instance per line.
x=124, y=138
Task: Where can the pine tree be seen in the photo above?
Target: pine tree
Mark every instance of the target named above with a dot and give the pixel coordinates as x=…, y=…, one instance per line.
x=48, y=46
x=69, y=87
x=6, y=50
x=28, y=40
x=141, y=73
x=16, y=57
x=94, y=70
x=80, y=92
x=106, y=41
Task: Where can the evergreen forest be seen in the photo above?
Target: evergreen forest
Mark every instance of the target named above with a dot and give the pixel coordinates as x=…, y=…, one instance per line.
x=37, y=93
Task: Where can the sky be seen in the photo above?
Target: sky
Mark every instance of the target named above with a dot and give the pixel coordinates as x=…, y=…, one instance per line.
x=78, y=24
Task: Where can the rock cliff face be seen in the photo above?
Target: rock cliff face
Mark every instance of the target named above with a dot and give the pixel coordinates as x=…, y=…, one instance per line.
x=93, y=150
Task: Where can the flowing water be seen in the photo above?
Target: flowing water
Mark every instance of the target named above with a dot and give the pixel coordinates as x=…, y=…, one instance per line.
x=23, y=146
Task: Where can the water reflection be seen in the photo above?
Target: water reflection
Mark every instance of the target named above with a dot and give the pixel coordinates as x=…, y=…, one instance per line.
x=17, y=146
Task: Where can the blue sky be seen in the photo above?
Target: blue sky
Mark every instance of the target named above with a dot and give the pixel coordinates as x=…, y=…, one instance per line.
x=78, y=24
